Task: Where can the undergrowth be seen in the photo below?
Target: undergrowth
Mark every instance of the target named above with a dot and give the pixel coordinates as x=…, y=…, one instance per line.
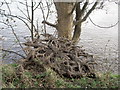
x=14, y=77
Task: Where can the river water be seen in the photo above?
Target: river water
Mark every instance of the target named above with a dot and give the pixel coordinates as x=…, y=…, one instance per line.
x=101, y=42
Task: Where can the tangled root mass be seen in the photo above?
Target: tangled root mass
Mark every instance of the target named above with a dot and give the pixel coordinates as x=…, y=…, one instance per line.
x=61, y=55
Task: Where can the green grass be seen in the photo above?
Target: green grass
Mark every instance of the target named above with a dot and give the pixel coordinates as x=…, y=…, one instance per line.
x=14, y=77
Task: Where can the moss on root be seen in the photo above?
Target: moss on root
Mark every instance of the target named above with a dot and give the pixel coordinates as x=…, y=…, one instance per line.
x=13, y=76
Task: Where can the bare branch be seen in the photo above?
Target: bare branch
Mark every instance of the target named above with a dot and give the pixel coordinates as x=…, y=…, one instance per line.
x=23, y=4
x=13, y=52
x=47, y=10
x=20, y=18
x=36, y=30
x=27, y=9
x=17, y=38
x=103, y=26
x=84, y=7
x=27, y=18
x=32, y=18
x=14, y=35
x=8, y=6
x=34, y=4
x=89, y=12
x=50, y=24
x=37, y=6
x=43, y=17
x=85, y=17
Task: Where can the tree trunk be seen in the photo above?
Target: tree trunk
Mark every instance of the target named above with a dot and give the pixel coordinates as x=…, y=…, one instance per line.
x=65, y=19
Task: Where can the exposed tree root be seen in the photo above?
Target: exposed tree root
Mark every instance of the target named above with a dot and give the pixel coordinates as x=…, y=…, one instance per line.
x=62, y=56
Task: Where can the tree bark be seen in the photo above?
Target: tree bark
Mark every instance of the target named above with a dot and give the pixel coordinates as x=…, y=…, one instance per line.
x=65, y=19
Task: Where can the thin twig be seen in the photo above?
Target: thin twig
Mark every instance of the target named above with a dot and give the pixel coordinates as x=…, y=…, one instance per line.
x=32, y=18
x=17, y=39
x=37, y=6
x=28, y=19
x=103, y=26
x=23, y=4
x=48, y=10
x=15, y=35
x=27, y=9
x=13, y=52
x=43, y=17
x=20, y=18
x=8, y=6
